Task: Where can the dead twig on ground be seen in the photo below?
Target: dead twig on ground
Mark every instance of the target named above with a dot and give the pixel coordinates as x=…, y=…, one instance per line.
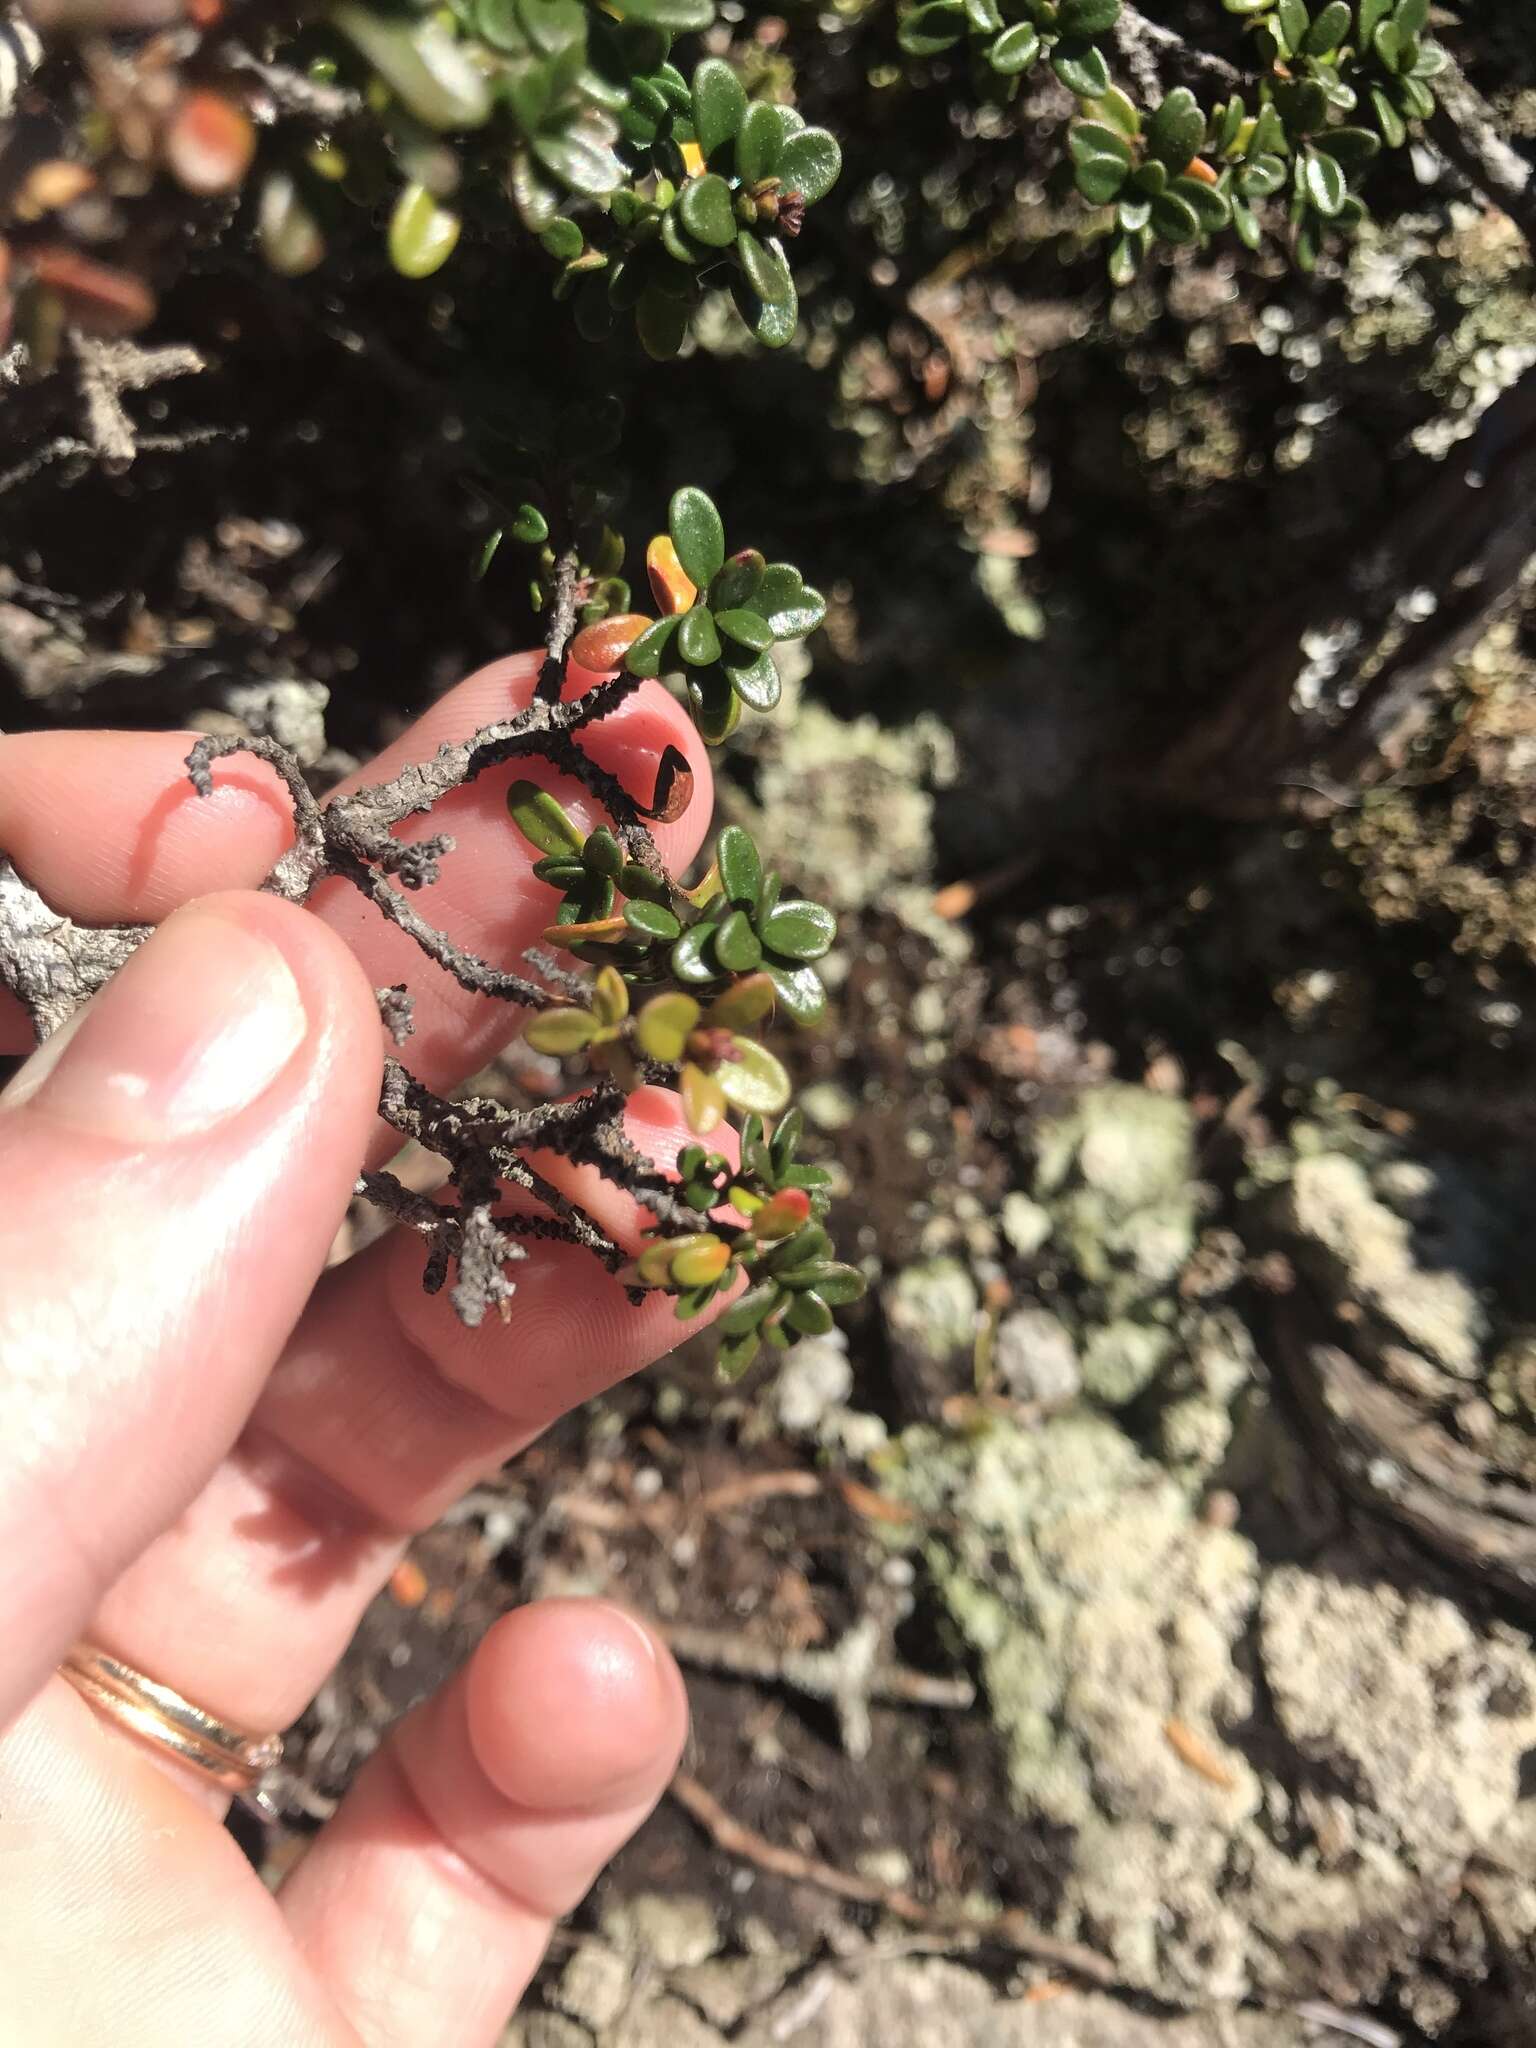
x=1009, y=1929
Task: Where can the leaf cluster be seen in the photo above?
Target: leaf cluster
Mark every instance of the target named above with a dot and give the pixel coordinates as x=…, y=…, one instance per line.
x=1334, y=84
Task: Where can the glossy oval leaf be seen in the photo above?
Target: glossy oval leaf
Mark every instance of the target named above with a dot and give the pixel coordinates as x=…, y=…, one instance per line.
x=744, y=1003
x=789, y=605
x=759, y=143
x=799, y=930
x=558, y=1032
x=740, y=865
x=698, y=534
x=433, y=75
x=754, y=1079
x=1099, y=178
x=737, y=946
x=543, y=822
x=662, y=1025
x=1015, y=49
x=1174, y=219
x=697, y=641
x=646, y=656
x=1325, y=184
x=809, y=164
x=1082, y=69
x=747, y=629
x=765, y=267
x=1177, y=129
x=719, y=101
x=706, y=210
x=738, y=582
x=929, y=31
x=652, y=921
x=758, y=683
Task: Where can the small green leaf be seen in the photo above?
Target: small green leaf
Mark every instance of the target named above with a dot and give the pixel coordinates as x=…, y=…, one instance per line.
x=737, y=583
x=799, y=930
x=705, y=206
x=434, y=76
x=1015, y=49
x=1394, y=129
x=1099, y=178
x=801, y=992
x=928, y=31
x=663, y=1025
x=1119, y=111
x=1262, y=177
x=1082, y=69
x=580, y=161
x=698, y=534
x=543, y=822
x=529, y=525
x=985, y=17
x=661, y=323
x=719, y=101
x=1174, y=219
x=759, y=143
x=809, y=1314
x=757, y=683
x=647, y=655
x=558, y=1032
x=1325, y=183
x=689, y=959
x=1294, y=20
x=754, y=1079
x=789, y=604
x=697, y=641
x=1125, y=252
x=741, y=868
x=1089, y=139
x=744, y=1315
x=1328, y=30
x=652, y=921
x=745, y=1002
x=563, y=240
x=1177, y=130
x=678, y=17
x=603, y=854
x=765, y=267
x=1368, y=14
x=738, y=947
x=735, y=1355
x=809, y=164
x=748, y=629
x=1087, y=17
x=1210, y=205
x=422, y=233
x=715, y=705
x=838, y=1284
x=1412, y=16
x=1246, y=222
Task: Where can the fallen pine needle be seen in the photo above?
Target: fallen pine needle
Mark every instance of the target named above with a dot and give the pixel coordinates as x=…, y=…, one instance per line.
x=1193, y=1750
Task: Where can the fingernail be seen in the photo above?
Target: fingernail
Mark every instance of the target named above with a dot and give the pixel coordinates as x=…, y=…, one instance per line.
x=197, y=1026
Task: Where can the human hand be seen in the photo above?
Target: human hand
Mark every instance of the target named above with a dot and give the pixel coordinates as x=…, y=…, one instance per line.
x=209, y=1463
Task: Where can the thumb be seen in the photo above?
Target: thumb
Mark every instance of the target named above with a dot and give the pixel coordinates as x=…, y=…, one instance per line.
x=173, y=1165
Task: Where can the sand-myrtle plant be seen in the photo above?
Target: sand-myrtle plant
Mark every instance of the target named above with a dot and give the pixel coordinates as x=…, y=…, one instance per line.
x=1316, y=93
x=642, y=977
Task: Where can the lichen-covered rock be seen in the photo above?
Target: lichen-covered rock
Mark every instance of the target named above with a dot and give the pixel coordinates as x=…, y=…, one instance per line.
x=1035, y=1358
x=1267, y=1777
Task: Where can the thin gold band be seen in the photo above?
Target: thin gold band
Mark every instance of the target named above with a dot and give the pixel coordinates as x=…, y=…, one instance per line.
x=234, y=1758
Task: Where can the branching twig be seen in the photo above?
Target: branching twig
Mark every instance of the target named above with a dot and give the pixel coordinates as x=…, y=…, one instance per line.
x=1009, y=1929
x=1142, y=42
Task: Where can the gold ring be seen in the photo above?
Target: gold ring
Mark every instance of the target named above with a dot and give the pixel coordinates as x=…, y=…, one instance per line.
x=235, y=1759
